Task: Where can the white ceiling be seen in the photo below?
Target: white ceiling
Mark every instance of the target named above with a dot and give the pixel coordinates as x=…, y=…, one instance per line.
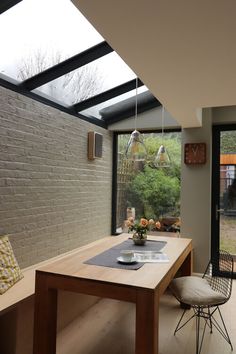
x=148, y=120
x=184, y=51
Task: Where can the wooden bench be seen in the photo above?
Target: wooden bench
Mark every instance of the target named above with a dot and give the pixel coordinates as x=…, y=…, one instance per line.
x=16, y=314
x=22, y=290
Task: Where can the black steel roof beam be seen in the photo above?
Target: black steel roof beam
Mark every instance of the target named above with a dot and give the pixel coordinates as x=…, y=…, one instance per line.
x=67, y=65
x=143, y=107
x=7, y=4
x=107, y=95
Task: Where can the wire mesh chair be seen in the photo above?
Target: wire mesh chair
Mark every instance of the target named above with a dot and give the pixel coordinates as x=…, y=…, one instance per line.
x=205, y=295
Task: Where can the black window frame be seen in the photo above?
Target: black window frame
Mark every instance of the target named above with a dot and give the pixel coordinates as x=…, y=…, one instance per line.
x=215, y=188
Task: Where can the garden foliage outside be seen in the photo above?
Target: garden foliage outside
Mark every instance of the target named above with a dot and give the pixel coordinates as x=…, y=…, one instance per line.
x=154, y=192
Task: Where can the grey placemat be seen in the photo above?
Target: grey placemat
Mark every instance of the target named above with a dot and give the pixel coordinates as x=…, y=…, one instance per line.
x=108, y=258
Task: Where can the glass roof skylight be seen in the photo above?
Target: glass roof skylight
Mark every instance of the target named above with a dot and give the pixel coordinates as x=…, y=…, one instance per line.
x=37, y=34
x=85, y=74
x=89, y=80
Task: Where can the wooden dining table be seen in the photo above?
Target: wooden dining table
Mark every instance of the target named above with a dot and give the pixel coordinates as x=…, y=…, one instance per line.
x=143, y=287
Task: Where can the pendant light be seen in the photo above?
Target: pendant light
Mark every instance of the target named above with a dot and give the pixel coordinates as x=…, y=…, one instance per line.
x=162, y=158
x=136, y=149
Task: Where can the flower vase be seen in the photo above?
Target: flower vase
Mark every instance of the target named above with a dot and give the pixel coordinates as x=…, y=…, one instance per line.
x=139, y=239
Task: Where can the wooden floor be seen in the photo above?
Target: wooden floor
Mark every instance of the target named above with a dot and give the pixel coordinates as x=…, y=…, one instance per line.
x=108, y=328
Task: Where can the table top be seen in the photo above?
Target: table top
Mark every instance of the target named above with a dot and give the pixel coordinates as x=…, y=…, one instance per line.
x=148, y=276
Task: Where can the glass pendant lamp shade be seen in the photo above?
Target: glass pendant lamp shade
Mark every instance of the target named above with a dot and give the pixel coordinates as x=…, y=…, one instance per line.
x=136, y=150
x=162, y=158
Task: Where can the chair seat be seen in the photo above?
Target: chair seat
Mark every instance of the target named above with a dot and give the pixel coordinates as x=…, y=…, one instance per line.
x=193, y=290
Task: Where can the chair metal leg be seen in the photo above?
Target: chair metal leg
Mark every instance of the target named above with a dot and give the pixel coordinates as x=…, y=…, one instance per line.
x=178, y=327
x=210, y=321
x=199, y=313
x=209, y=314
x=223, y=331
x=205, y=316
x=197, y=331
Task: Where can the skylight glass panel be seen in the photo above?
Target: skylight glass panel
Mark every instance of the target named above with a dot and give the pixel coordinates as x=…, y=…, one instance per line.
x=95, y=111
x=37, y=34
x=89, y=80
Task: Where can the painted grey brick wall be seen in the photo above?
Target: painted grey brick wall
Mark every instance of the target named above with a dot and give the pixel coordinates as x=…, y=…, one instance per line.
x=52, y=198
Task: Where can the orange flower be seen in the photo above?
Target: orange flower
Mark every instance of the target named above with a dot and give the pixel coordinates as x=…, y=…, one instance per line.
x=128, y=223
x=143, y=222
x=131, y=219
x=158, y=225
x=151, y=222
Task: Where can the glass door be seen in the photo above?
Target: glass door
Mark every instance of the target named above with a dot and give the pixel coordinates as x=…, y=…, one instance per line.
x=224, y=189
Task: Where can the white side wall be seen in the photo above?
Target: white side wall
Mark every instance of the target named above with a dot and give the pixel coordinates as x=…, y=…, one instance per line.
x=224, y=115
x=149, y=120
x=196, y=194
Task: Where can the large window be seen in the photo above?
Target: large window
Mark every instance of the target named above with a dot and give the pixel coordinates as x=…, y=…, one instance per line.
x=146, y=191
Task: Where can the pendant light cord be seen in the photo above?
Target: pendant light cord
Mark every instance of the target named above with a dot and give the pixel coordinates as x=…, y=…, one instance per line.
x=136, y=104
x=162, y=124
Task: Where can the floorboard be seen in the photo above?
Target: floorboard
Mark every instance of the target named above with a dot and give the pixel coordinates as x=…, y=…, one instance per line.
x=108, y=327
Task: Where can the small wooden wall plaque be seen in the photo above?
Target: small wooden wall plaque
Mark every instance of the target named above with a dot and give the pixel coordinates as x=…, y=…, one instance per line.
x=95, y=141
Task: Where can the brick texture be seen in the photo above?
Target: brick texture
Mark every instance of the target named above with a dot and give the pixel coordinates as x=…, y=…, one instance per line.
x=52, y=198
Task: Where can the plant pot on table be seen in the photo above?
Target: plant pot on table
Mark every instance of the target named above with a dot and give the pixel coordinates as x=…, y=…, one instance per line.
x=139, y=238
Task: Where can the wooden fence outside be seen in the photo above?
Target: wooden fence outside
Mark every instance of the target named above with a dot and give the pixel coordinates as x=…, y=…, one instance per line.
x=124, y=176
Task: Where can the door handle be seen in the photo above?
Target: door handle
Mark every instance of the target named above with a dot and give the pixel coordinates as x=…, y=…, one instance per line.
x=220, y=210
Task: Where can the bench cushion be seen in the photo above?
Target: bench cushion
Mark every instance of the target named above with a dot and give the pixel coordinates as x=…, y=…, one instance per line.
x=10, y=271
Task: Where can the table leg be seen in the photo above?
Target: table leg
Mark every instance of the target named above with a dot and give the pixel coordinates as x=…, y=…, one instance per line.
x=186, y=269
x=187, y=266
x=147, y=317
x=45, y=317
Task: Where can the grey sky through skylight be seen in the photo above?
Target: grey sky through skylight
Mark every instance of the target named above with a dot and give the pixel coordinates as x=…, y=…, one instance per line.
x=37, y=34
x=48, y=27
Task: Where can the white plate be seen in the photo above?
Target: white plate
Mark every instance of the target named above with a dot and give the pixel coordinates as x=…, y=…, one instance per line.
x=121, y=260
